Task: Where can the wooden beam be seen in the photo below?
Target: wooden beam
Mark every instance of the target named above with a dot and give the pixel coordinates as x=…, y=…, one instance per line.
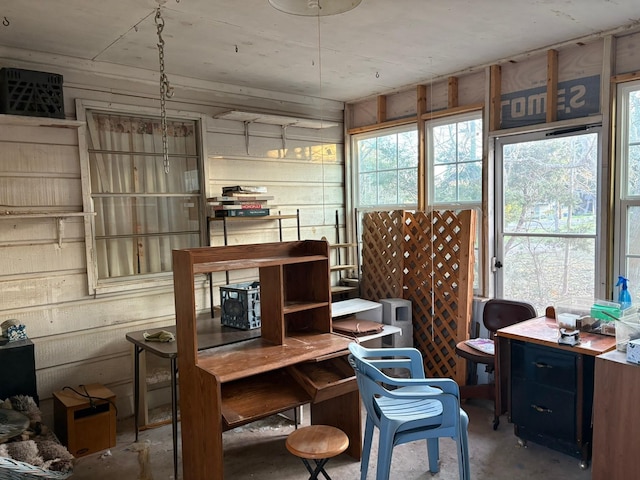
x=382, y=109
x=452, y=92
x=473, y=107
x=552, y=85
x=625, y=77
x=380, y=126
x=421, y=108
x=495, y=107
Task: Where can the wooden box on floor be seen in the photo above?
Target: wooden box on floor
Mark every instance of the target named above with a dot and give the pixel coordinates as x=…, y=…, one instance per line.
x=85, y=424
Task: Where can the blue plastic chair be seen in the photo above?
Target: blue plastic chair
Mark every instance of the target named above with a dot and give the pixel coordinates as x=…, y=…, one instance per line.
x=407, y=409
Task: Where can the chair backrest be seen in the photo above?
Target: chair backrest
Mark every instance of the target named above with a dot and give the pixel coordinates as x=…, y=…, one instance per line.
x=499, y=313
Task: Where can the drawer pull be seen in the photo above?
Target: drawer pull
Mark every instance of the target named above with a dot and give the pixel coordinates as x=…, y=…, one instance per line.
x=540, y=409
x=542, y=365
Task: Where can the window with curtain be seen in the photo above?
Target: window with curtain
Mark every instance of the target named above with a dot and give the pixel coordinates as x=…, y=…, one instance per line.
x=454, y=174
x=142, y=211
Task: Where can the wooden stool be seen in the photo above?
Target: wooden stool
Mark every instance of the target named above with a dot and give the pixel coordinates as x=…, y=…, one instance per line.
x=318, y=443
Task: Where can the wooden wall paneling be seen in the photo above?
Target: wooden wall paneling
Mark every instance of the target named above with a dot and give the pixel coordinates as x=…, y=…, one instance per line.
x=525, y=74
x=40, y=193
x=38, y=289
x=626, y=53
x=382, y=261
x=471, y=88
x=581, y=60
x=552, y=86
x=33, y=136
x=42, y=258
x=365, y=113
x=401, y=104
x=452, y=92
x=495, y=91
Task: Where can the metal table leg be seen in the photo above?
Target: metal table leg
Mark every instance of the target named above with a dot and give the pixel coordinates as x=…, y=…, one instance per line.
x=136, y=388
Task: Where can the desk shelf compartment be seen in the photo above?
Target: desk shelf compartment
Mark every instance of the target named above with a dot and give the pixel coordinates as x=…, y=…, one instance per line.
x=248, y=400
x=326, y=379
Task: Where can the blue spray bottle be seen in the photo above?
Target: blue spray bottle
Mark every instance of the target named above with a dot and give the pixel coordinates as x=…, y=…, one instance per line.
x=624, y=298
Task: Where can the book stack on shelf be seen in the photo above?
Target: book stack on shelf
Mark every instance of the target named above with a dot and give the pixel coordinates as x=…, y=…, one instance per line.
x=241, y=201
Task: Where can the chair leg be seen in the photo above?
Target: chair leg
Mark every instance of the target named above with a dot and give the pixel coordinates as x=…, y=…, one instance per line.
x=463, y=449
x=385, y=450
x=433, y=451
x=366, y=448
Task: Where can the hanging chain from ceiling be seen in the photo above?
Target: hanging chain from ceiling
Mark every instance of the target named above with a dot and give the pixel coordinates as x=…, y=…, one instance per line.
x=166, y=91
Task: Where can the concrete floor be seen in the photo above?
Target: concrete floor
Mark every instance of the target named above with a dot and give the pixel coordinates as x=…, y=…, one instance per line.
x=257, y=451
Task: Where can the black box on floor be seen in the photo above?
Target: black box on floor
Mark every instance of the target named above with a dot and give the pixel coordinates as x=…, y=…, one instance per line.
x=31, y=93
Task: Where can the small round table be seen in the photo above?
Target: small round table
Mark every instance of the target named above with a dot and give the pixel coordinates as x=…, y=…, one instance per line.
x=318, y=443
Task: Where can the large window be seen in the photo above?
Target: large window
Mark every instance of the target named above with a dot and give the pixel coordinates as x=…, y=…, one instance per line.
x=144, y=208
x=628, y=186
x=454, y=178
x=454, y=146
x=548, y=217
x=386, y=168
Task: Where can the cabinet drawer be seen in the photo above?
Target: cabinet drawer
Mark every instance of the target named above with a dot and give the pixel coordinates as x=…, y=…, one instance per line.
x=544, y=410
x=553, y=368
x=326, y=379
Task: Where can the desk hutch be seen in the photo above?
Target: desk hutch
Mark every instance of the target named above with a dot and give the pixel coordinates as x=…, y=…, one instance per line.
x=297, y=360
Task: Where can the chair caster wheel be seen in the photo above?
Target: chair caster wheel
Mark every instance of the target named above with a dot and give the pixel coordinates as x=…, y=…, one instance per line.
x=496, y=422
x=522, y=443
x=584, y=465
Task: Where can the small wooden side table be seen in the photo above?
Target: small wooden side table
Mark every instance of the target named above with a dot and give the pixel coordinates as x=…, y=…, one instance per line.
x=85, y=418
x=318, y=443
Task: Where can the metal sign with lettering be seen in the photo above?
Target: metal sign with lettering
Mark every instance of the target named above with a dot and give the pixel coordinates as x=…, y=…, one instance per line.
x=576, y=98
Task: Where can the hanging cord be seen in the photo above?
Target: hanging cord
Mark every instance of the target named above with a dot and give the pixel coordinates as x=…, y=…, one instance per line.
x=92, y=399
x=166, y=90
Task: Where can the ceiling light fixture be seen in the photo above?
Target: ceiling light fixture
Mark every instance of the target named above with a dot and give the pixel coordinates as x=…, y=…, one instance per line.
x=314, y=8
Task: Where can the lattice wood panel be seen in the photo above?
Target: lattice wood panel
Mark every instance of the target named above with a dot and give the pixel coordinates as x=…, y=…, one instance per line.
x=382, y=260
x=434, y=253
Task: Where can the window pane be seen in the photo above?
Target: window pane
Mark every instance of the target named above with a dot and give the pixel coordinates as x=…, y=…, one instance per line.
x=367, y=154
x=470, y=182
x=368, y=189
x=634, y=117
x=633, y=231
x=142, y=211
x=388, y=188
x=387, y=168
x=470, y=140
x=543, y=270
x=408, y=149
x=633, y=170
x=144, y=215
x=445, y=144
x=551, y=185
x=445, y=183
x=407, y=187
x=388, y=152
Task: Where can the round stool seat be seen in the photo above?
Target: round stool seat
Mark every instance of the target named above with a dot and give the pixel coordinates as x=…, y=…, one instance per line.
x=318, y=443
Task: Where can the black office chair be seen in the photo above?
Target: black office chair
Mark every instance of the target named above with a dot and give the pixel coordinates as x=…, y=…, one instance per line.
x=497, y=314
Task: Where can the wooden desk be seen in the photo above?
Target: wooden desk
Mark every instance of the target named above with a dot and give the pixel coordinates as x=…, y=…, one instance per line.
x=549, y=394
x=615, y=419
x=297, y=359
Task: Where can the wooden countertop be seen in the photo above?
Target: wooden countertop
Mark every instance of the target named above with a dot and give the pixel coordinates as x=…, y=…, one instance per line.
x=544, y=331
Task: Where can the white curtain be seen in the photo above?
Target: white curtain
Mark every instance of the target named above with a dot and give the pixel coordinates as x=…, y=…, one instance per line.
x=142, y=213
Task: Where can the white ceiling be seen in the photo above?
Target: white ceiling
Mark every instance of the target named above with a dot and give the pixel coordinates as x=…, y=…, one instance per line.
x=381, y=46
